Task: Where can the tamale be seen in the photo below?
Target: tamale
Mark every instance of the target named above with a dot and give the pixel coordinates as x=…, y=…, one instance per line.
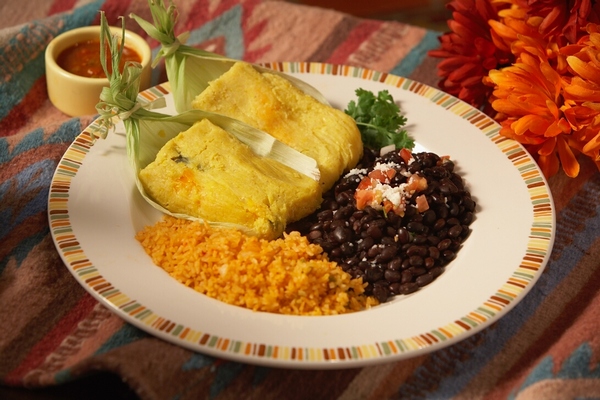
x=270, y=103
x=206, y=173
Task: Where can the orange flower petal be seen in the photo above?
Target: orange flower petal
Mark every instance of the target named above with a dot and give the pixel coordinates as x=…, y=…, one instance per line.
x=547, y=148
x=567, y=158
x=530, y=122
x=583, y=69
x=549, y=164
x=553, y=130
x=592, y=145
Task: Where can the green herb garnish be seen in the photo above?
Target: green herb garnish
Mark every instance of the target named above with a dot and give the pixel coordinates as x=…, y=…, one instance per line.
x=379, y=120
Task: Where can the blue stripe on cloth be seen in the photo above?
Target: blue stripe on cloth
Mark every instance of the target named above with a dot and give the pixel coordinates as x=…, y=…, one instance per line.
x=415, y=57
x=22, y=65
x=33, y=181
x=127, y=334
x=579, y=365
x=494, y=339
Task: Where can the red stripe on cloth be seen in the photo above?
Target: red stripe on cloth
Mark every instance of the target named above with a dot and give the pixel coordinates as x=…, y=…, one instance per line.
x=113, y=10
x=22, y=112
x=52, y=340
x=358, y=36
x=59, y=6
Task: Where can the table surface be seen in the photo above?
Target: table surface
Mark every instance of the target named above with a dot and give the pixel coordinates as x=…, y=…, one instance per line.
x=56, y=341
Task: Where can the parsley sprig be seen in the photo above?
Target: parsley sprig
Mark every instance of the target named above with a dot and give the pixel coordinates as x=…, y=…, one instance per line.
x=379, y=120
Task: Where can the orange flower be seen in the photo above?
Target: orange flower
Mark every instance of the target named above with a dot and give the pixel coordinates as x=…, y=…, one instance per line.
x=528, y=100
x=534, y=65
x=469, y=52
x=559, y=17
x=582, y=90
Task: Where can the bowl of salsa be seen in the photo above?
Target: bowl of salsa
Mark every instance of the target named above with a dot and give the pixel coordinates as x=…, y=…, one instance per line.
x=74, y=74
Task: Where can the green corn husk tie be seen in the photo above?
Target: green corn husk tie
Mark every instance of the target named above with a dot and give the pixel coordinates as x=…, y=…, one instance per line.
x=148, y=131
x=190, y=69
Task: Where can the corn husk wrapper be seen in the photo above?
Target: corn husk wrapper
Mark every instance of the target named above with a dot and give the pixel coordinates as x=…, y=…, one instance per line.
x=189, y=69
x=147, y=131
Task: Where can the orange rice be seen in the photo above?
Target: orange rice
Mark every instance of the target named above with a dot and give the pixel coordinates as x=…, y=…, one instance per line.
x=286, y=276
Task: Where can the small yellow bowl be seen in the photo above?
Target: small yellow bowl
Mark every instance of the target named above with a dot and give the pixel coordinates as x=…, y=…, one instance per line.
x=77, y=95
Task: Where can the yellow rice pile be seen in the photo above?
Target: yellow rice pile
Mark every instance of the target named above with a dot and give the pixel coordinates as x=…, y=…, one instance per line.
x=287, y=276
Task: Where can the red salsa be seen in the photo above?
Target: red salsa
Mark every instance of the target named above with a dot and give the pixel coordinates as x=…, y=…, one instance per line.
x=83, y=59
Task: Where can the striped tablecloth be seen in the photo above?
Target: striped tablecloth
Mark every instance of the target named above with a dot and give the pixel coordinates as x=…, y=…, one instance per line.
x=53, y=332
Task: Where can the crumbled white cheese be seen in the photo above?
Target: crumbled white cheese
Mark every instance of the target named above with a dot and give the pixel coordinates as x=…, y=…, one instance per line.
x=386, y=166
x=356, y=171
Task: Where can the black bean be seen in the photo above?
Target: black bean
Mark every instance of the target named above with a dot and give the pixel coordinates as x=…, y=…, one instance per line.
x=419, y=239
x=343, y=198
x=373, y=274
x=466, y=218
x=325, y=215
x=347, y=248
x=366, y=243
x=388, y=240
x=454, y=209
x=455, y=231
x=395, y=264
x=337, y=223
x=429, y=217
x=469, y=204
x=408, y=288
x=442, y=212
x=453, y=221
x=341, y=234
x=424, y=279
x=316, y=227
x=416, y=251
x=314, y=235
x=444, y=244
x=374, y=231
x=387, y=253
x=434, y=252
x=392, y=276
x=447, y=186
x=417, y=271
x=374, y=251
x=335, y=253
x=434, y=240
x=448, y=255
x=429, y=262
x=403, y=235
x=439, y=224
x=381, y=293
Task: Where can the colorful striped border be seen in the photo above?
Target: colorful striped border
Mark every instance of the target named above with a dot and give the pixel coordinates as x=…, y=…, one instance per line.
x=539, y=245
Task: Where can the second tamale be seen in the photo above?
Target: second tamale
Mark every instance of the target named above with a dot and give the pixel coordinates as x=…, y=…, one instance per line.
x=270, y=103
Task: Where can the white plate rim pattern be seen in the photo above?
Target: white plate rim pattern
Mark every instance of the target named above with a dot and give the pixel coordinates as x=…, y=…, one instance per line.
x=508, y=294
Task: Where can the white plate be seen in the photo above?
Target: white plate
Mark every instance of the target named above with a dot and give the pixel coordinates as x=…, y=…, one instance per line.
x=95, y=210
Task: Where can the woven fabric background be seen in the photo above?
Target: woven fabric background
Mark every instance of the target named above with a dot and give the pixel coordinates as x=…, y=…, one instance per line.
x=53, y=332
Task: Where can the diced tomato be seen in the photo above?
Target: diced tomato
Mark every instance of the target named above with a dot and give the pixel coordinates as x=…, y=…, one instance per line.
x=366, y=183
x=387, y=206
x=383, y=176
x=363, y=198
x=422, y=204
x=406, y=155
x=417, y=183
